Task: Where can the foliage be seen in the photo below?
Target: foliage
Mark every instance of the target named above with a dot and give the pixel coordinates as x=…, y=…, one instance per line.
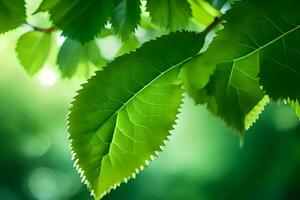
x=123, y=114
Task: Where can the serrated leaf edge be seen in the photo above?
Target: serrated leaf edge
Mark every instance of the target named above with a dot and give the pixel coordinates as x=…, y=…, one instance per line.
x=254, y=114
x=136, y=171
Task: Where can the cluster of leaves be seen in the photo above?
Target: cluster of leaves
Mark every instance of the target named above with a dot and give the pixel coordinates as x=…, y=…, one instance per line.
x=84, y=23
x=122, y=116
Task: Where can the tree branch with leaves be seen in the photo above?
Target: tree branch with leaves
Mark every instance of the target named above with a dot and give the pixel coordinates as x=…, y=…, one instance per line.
x=233, y=62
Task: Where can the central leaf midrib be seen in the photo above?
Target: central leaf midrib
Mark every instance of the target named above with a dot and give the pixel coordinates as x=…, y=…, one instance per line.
x=256, y=51
x=269, y=43
x=138, y=92
x=127, y=102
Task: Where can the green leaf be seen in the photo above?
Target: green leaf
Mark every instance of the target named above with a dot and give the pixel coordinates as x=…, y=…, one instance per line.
x=12, y=14
x=122, y=116
x=33, y=49
x=273, y=33
x=47, y=5
x=170, y=14
x=259, y=38
x=72, y=53
x=295, y=105
x=203, y=12
x=126, y=16
x=234, y=91
x=131, y=44
x=81, y=20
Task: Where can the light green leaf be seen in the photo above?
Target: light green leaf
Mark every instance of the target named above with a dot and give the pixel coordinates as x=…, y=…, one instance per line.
x=123, y=114
x=12, y=14
x=73, y=53
x=125, y=16
x=33, y=49
x=203, y=12
x=81, y=20
x=296, y=106
x=170, y=14
x=131, y=44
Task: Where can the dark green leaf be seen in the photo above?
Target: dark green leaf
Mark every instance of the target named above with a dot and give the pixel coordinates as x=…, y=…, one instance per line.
x=12, y=14
x=81, y=20
x=125, y=16
x=258, y=37
x=47, y=5
x=122, y=116
x=234, y=92
x=33, y=49
x=271, y=31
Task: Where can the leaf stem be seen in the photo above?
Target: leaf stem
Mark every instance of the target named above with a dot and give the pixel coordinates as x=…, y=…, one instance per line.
x=45, y=30
x=213, y=25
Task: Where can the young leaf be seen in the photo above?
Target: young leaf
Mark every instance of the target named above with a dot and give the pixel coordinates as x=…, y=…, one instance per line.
x=81, y=20
x=72, y=53
x=170, y=14
x=123, y=115
x=12, y=14
x=33, y=49
x=125, y=16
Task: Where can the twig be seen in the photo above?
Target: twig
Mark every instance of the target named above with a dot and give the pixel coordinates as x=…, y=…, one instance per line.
x=213, y=25
x=45, y=30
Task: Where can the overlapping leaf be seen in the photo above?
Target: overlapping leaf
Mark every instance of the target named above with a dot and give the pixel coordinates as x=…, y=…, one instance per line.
x=124, y=113
x=78, y=19
x=170, y=14
x=33, y=49
x=125, y=16
x=219, y=4
x=73, y=53
x=12, y=14
x=203, y=12
x=264, y=40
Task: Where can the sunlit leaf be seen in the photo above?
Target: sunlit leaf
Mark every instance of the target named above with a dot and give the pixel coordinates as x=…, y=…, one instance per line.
x=47, y=5
x=33, y=49
x=203, y=12
x=131, y=44
x=123, y=114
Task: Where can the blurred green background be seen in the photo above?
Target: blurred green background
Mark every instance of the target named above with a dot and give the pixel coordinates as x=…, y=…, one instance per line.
x=202, y=160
